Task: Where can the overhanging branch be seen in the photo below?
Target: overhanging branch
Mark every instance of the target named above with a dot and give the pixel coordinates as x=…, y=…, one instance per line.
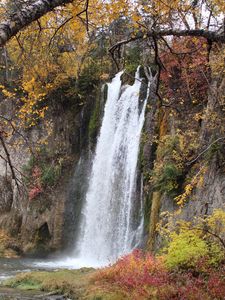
x=24, y=17
x=209, y=35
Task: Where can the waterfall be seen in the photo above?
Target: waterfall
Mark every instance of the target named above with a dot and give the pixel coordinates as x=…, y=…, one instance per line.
x=107, y=230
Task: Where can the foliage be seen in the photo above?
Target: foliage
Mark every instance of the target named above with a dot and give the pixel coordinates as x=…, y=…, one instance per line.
x=132, y=269
x=89, y=78
x=167, y=179
x=141, y=276
x=132, y=60
x=42, y=171
x=135, y=273
x=196, y=181
x=127, y=279
x=55, y=49
x=190, y=242
x=186, y=75
x=36, y=187
x=50, y=174
x=169, y=165
x=185, y=249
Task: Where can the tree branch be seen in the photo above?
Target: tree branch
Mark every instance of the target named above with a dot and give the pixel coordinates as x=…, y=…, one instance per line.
x=17, y=131
x=63, y=24
x=9, y=161
x=209, y=35
x=201, y=153
x=24, y=17
x=86, y=15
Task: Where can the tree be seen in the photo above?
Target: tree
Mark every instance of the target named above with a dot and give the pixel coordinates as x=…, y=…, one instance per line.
x=25, y=16
x=159, y=12
x=51, y=41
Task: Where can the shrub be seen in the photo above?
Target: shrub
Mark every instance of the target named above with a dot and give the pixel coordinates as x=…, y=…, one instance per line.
x=41, y=171
x=34, y=192
x=35, y=187
x=50, y=174
x=135, y=273
x=142, y=276
x=198, y=244
x=185, y=249
x=168, y=168
x=168, y=179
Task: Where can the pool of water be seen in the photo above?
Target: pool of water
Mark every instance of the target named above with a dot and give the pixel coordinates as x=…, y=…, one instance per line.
x=9, y=267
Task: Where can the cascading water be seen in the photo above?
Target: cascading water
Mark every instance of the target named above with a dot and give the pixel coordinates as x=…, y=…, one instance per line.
x=112, y=222
x=106, y=228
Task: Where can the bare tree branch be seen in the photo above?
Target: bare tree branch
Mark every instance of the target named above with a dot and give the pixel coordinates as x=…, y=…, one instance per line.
x=201, y=153
x=3, y=158
x=17, y=131
x=86, y=15
x=209, y=35
x=9, y=160
x=63, y=24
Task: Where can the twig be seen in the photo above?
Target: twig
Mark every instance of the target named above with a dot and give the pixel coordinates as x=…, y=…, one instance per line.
x=86, y=14
x=63, y=24
x=16, y=131
x=9, y=161
x=178, y=53
x=200, y=154
x=205, y=230
x=2, y=157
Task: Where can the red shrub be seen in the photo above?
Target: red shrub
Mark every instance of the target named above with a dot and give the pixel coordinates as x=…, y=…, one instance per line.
x=216, y=284
x=35, y=188
x=135, y=273
x=142, y=276
x=34, y=192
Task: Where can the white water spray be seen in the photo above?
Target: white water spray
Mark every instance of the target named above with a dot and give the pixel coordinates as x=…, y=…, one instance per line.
x=106, y=229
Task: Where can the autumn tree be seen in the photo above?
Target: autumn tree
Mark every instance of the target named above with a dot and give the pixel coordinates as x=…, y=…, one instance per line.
x=49, y=42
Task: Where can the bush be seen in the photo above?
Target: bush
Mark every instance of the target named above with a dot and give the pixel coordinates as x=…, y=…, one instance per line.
x=185, y=249
x=142, y=276
x=41, y=171
x=169, y=167
x=168, y=179
x=189, y=244
x=50, y=174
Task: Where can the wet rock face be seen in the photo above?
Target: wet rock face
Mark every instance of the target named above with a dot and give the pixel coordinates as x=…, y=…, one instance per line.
x=75, y=197
x=47, y=222
x=210, y=196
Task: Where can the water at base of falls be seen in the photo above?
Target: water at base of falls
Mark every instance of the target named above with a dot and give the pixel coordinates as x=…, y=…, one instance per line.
x=111, y=225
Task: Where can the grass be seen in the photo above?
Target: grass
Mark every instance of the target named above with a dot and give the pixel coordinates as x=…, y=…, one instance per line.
x=63, y=281
x=138, y=275
x=76, y=284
